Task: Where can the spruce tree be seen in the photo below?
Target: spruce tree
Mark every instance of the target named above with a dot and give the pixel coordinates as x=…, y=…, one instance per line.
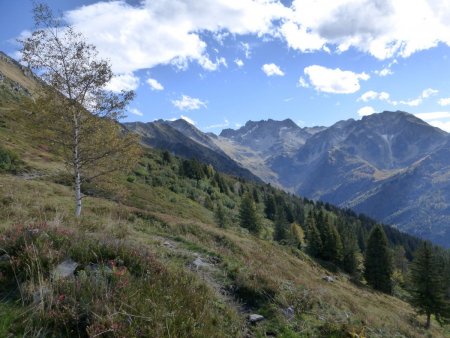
x=428, y=286
x=378, y=263
x=270, y=207
x=247, y=214
x=282, y=226
x=313, y=236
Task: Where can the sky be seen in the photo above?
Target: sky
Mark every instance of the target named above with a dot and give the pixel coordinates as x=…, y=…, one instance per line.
x=220, y=63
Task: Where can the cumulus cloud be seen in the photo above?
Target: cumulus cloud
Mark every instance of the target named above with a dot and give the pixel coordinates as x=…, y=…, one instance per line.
x=426, y=93
x=383, y=96
x=382, y=28
x=188, y=103
x=302, y=82
x=383, y=72
x=335, y=81
x=207, y=64
x=135, y=111
x=154, y=84
x=123, y=82
x=246, y=49
x=173, y=28
x=271, y=69
x=372, y=95
x=440, y=120
x=239, y=63
x=365, y=111
x=444, y=101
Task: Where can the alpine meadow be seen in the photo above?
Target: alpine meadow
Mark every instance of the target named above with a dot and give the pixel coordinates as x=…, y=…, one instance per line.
x=212, y=168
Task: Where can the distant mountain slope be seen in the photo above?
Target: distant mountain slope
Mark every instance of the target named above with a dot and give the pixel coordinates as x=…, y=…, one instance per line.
x=188, y=143
x=391, y=166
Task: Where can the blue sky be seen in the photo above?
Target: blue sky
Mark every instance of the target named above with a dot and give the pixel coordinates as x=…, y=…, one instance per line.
x=219, y=63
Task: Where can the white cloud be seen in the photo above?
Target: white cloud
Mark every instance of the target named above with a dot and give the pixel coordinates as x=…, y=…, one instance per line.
x=334, y=80
x=297, y=37
x=426, y=93
x=207, y=64
x=239, y=63
x=188, y=119
x=154, y=84
x=365, y=111
x=225, y=124
x=271, y=69
x=123, y=82
x=444, y=125
x=383, y=72
x=382, y=28
x=372, y=95
x=411, y=103
x=302, y=82
x=188, y=103
x=151, y=33
x=444, y=101
x=158, y=32
x=246, y=48
x=440, y=120
x=135, y=111
x=433, y=115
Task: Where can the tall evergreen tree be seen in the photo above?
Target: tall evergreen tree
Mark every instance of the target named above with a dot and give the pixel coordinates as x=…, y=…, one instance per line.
x=313, y=236
x=331, y=242
x=282, y=226
x=378, y=262
x=428, y=286
x=270, y=207
x=248, y=216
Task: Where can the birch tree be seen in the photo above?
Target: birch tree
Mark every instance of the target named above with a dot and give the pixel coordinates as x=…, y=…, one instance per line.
x=72, y=109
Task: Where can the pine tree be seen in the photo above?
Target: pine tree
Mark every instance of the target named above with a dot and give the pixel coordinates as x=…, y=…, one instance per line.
x=428, y=286
x=378, y=263
x=313, y=236
x=331, y=242
x=282, y=227
x=270, y=207
x=248, y=216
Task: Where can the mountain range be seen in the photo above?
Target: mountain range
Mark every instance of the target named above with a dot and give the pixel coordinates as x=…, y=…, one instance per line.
x=391, y=166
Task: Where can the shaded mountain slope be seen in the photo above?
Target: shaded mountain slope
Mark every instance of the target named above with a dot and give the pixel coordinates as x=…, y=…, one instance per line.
x=165, y=135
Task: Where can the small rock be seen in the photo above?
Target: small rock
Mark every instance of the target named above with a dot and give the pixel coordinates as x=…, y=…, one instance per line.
x=199, y=263
x=64, y=269
x=169, y=245
x=254, y=318
x=289, y=312
x=5, y=258
x=328, y=279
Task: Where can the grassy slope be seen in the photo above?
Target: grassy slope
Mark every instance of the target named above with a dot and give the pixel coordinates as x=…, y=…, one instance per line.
x=265, y=276
x=242, y=274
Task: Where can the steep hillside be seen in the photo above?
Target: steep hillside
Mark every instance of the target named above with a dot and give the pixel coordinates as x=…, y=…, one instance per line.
x=148, y=257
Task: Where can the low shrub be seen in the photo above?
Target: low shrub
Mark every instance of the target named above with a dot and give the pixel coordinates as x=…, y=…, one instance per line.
x=116, y=290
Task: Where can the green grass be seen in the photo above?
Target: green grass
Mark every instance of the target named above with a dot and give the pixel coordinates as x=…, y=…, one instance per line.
x=130, y=222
